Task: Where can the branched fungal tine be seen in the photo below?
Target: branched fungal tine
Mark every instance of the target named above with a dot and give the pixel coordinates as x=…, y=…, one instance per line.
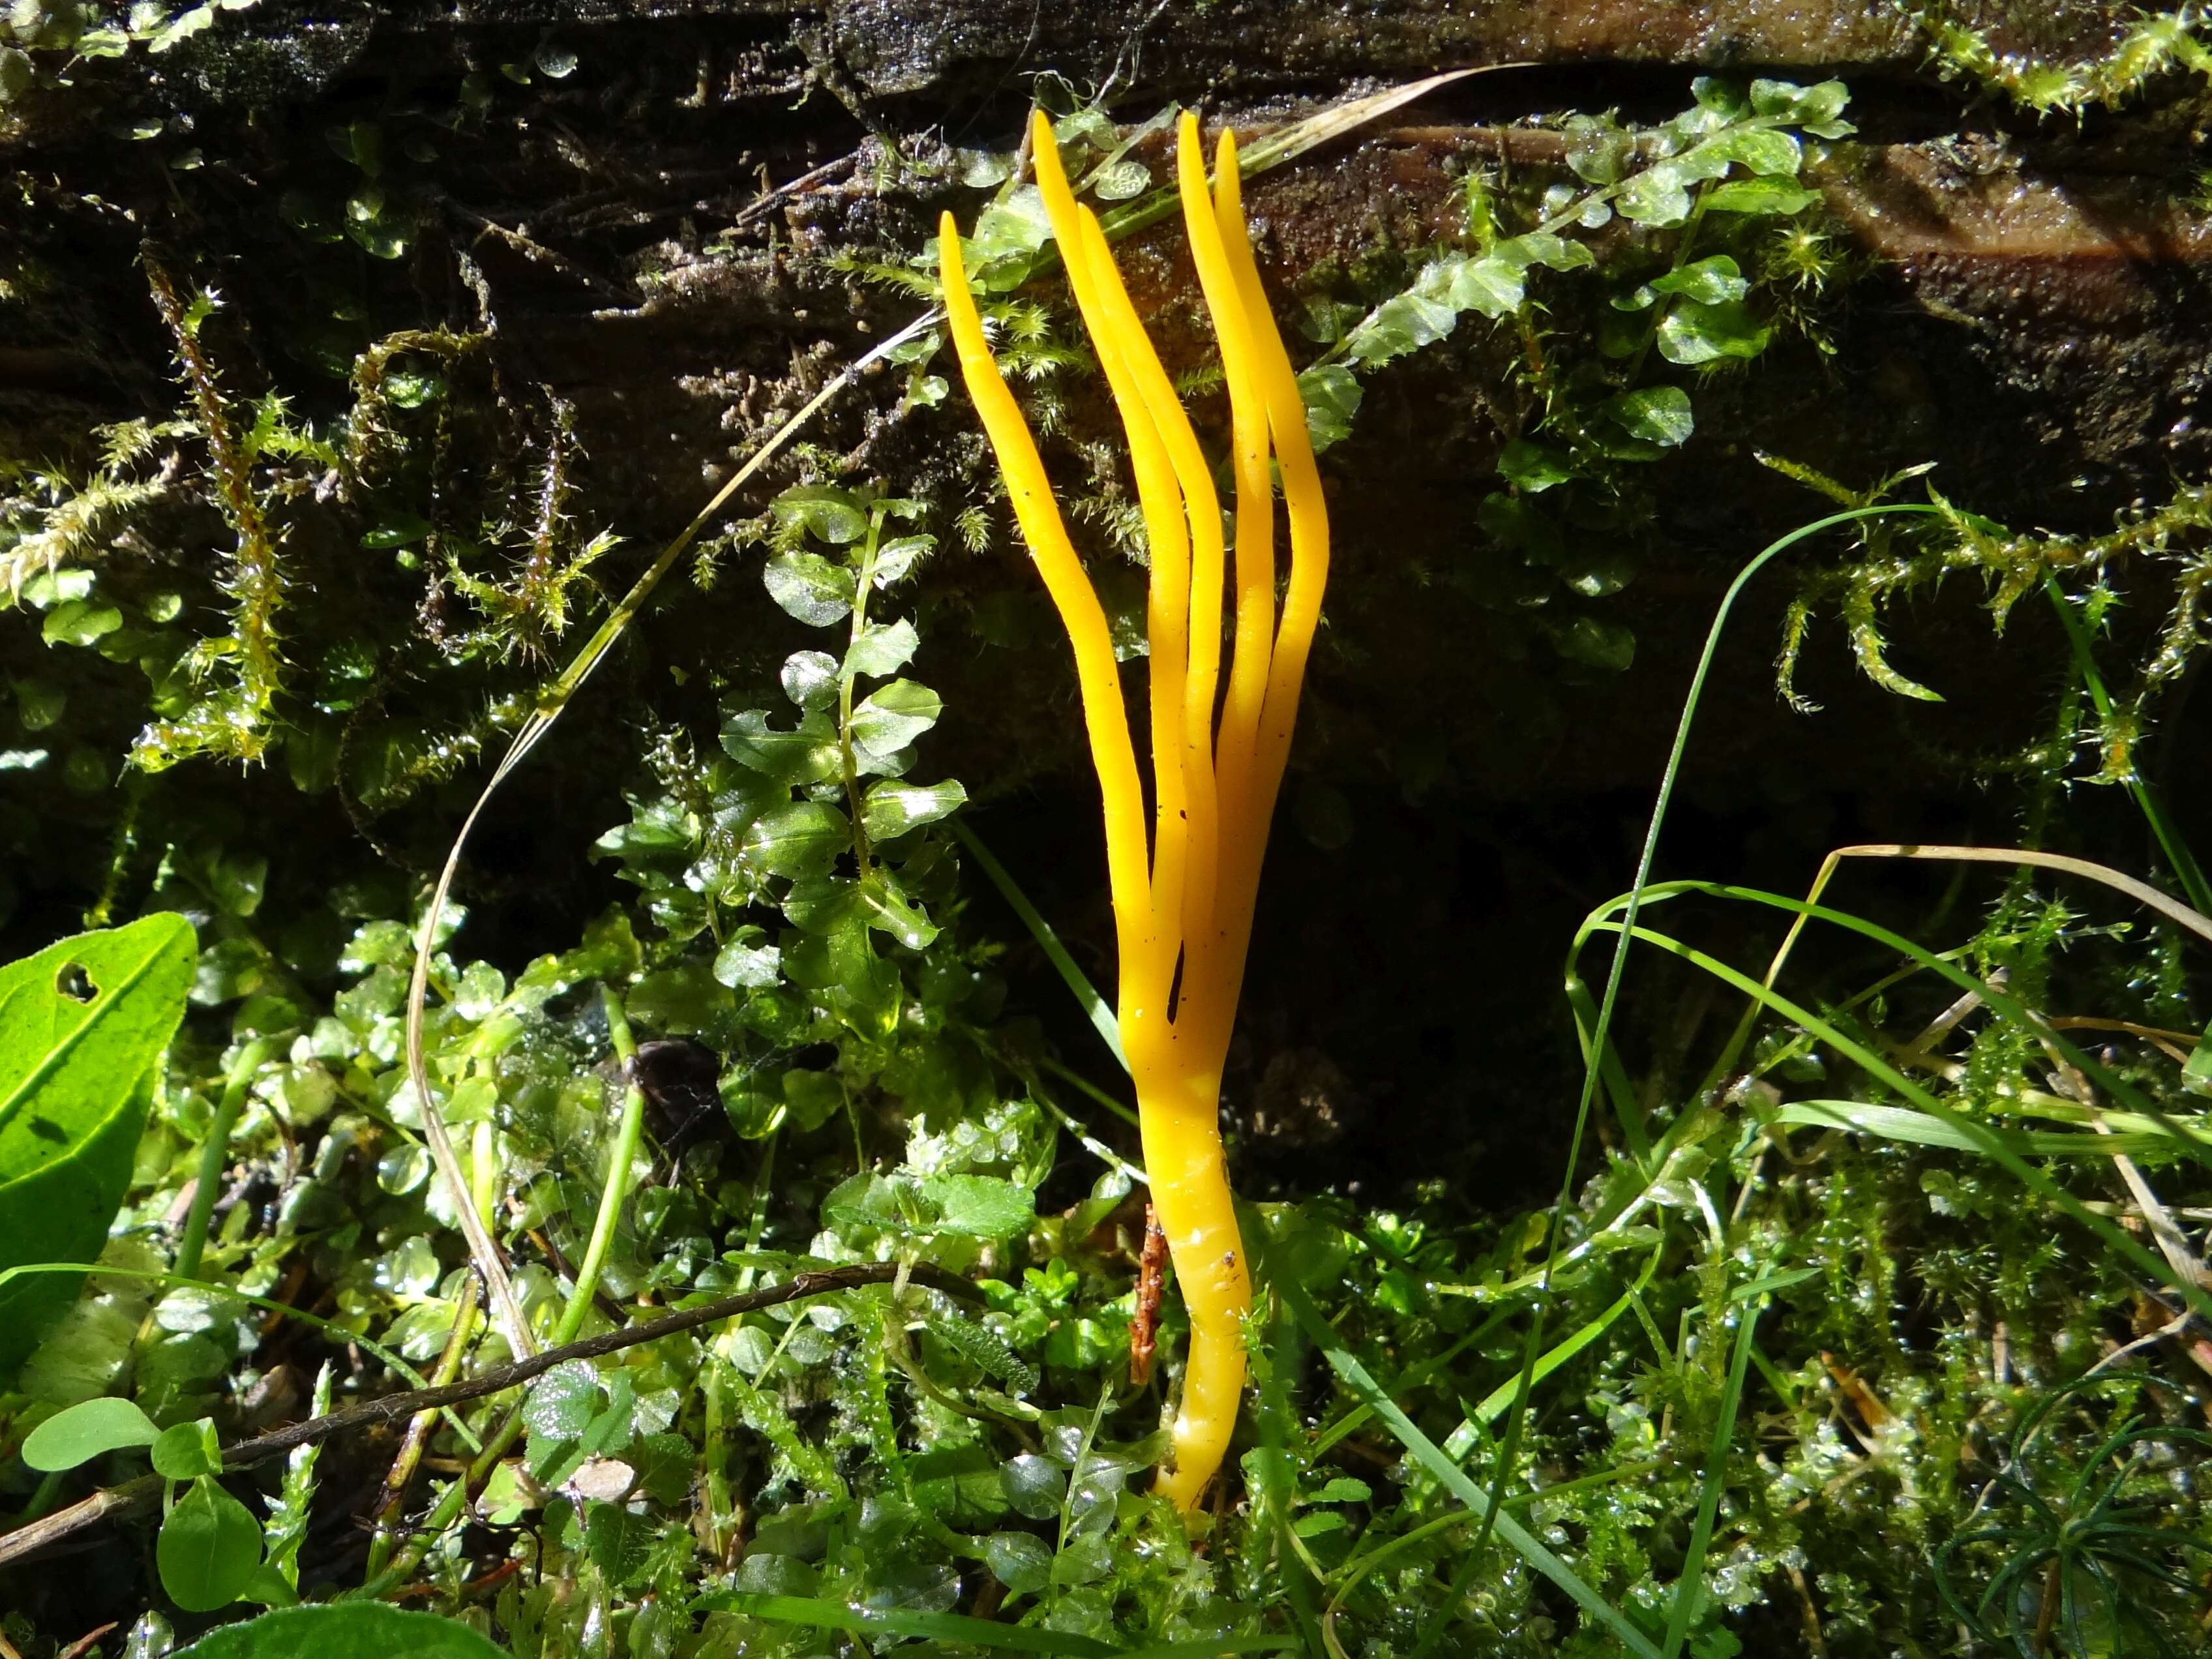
x=1184, y=898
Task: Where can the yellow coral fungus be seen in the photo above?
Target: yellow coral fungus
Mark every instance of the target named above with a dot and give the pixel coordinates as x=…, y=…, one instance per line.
x=1183, y=899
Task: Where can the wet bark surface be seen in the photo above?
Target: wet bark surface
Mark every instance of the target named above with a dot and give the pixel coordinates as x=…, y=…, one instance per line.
x=640, y=207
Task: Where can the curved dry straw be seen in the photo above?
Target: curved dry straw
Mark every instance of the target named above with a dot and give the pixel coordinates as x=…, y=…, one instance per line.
x=1183, y=897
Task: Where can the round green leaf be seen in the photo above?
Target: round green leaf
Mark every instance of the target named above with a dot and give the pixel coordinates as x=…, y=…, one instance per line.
x=809, y=678
x=1601, y=645
x=1018, y=1560
x=809, y=588
x=1712, y=281
x=80, y=621
x=895, y=716
x=883, y=648
x=1695, y=333
x=1656, y=414
x=744, y=963
x=797, y=840
x=822, y=510
x=561, y=1402
x=344, y=1630
x=209, y=1548
x=893, y=808
x=84, y=1431
x=182, y=1453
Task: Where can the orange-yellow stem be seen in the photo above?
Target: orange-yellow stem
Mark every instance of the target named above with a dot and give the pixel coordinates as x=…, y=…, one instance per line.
x=1098, y=677
x=1184, y=917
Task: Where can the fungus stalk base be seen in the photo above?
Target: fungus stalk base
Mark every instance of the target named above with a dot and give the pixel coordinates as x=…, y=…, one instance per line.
x=1181, y=1117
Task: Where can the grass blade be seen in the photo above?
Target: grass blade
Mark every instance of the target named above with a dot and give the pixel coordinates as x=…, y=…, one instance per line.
x=1918, y=1129
x=1454, y=1480
x=2178, y=857
x=1598, y=1040
x=1690, y=1588
x=1101, y=1010
x=2006, y=1006
x=1493, y=1404
x=1987, y=1140
x=819, y=1614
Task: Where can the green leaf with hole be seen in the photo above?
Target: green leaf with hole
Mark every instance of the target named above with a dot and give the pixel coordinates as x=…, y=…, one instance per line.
x=89, y=1429
x=209, y=1548
x=344, y=1630
x=82, y=1025
x=805, y=754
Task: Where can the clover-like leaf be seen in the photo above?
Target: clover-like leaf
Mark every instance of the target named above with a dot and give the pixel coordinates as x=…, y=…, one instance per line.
x=1659, y=196
x=1332, y=395
x=1762, y=150
x=897, y=558
x=1816, y=109
x=889, y=910
x=1598, y=149
x=1493, y=285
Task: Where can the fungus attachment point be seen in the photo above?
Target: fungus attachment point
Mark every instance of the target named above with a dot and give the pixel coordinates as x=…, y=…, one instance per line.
x=1183, y=895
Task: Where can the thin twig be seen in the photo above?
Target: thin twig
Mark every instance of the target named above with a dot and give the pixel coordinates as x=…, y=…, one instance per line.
x=391, y=1408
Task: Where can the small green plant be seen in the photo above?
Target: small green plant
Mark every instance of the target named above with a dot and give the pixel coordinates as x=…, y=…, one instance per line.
x=2152, y=44
x=83, y=1027
x=210, y=1552
x=2076, y=1536
x=1712, y=203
